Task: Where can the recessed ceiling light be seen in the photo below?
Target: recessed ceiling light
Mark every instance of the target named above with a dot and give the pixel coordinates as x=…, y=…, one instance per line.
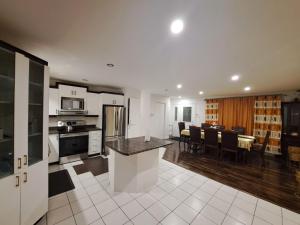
x=179, y=96
x=177, y=26
x=247, y=88
x=179, y=86
x=235, y=77
x=110, y=65
x=201, y=92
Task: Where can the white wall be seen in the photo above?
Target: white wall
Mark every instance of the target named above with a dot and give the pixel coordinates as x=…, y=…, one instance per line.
x=134, y=125
x=198, y=112
x=143, y=124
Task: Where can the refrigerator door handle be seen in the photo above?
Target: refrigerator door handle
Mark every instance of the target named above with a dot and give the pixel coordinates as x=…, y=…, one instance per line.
x=118, y=121
x=115, y=114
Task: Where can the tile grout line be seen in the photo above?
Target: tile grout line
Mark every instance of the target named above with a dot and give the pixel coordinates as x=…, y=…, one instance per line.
x=88, y=196
x=231, y=204
x=203, y=207
x=254, y=212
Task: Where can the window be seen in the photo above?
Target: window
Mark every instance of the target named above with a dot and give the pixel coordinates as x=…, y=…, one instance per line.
x=176, y=113
x=187, y=114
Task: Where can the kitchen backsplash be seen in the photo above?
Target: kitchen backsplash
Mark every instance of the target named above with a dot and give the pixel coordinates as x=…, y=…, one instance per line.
x=89, y=120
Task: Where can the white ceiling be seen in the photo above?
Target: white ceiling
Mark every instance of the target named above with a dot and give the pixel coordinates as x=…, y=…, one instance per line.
x=258, y=39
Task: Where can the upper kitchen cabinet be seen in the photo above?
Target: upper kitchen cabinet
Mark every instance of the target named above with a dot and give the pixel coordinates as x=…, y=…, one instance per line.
x=23, y=136
x=35, y=112
x=7, y=86
x=92, y=104
x=54, y=105
x=72, y=91
x=111, y=99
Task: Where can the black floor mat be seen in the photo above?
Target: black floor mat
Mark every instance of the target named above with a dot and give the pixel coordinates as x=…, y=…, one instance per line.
x=97, y=166
x=60, y=182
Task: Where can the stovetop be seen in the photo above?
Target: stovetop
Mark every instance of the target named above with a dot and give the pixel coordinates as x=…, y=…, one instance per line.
x=76, y=129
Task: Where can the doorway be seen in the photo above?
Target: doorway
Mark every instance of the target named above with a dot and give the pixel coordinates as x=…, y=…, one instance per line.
x=158, y=120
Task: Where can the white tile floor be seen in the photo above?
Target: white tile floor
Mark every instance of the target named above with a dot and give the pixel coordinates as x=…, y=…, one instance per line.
x=180, y=197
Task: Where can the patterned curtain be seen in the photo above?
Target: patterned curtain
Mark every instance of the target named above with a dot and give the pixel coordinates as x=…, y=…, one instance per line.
x=211, y=111
x=267, y=116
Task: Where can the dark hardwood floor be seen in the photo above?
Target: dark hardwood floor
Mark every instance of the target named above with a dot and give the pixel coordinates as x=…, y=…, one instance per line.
x=275, y=183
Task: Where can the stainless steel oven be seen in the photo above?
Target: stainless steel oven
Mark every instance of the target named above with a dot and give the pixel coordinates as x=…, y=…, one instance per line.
x=73, y=146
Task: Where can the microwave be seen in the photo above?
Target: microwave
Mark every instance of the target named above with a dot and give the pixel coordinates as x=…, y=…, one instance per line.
x=72, y=104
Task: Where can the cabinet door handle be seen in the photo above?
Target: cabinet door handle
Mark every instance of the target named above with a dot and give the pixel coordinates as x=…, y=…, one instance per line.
x=25, y=177
x=17, y=181
x=75, y=92
x=25, y=160
x=19, y=163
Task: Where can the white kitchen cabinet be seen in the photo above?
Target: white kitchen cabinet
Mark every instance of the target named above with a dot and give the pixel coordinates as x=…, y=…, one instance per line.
x=111, y=99
x=53, y=148
x=10, y=195
x=34, y=190
x=72, y=91
x=95, y=140
x=92, y=103
x=24, y=112
x=54, y=105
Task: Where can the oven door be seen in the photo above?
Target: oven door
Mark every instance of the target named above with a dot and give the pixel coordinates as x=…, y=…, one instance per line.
x=73, y=144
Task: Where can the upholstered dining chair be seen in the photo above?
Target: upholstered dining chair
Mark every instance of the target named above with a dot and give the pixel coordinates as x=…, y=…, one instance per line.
x=220, y=127
x=239, y=130
x=229, y=143
x=261, y=148
x=182, y=138
x=195, y=142
x=211, y=140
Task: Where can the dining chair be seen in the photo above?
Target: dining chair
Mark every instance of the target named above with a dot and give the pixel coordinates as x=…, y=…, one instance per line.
x=182, y=138
x=229, y=143
x=261, y=148
x=239, y=130
x=211, y=140
x=195, y=142
x=205, y=125
x=220, y=127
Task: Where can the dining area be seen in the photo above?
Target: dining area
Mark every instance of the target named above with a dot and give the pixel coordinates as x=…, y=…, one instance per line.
x=218, y=141
x=249, y=143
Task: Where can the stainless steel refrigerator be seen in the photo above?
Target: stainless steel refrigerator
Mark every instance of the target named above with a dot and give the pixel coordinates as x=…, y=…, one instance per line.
x=113, y=126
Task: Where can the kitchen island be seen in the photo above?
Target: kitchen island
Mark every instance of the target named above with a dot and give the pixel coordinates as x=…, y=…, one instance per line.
x=133, y=163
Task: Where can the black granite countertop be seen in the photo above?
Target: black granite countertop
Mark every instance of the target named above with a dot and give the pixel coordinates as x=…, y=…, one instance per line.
x=136, y=145
x=62, y=130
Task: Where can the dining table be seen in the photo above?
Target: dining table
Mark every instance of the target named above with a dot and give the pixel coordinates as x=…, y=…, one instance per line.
x=244, y=141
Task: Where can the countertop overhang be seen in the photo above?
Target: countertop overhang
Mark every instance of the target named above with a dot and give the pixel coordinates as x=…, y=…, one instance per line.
x=132, y=146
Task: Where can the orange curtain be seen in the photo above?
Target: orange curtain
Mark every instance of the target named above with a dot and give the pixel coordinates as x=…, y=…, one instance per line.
x=237, y=112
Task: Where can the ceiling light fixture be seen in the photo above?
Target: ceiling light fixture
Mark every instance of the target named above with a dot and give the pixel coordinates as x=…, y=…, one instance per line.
x=247, y=88
x=201, y=92
x=110, y=65
x=177, y=26
x=235, y=77
x=179, y=86
x=179, y=96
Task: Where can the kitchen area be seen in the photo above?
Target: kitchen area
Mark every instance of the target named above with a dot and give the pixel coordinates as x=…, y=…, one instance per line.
x=81, y=120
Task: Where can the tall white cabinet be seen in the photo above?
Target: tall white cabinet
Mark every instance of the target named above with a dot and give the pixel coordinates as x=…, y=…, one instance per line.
x=24, y=83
